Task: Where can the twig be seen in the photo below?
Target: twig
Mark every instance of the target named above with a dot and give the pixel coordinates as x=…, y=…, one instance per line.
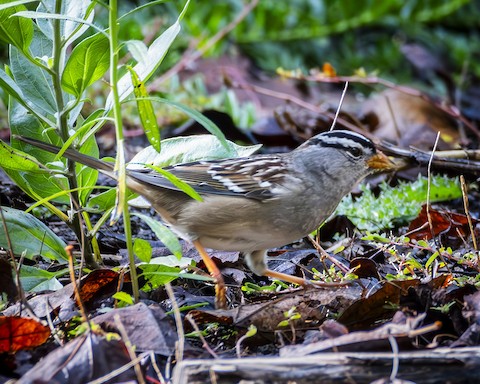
x=394, y=345
x=178, y=322
x=128, y=345
x=344, y=92
x=326, y=255
x=429, y=184
x=120, y=370
x=467, y=213
x=76, y=285
x=156, y=368
x=199, y=334
x=456, y=160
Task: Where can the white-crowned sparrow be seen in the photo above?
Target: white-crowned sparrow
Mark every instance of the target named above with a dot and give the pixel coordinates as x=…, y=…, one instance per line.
x=255, y=203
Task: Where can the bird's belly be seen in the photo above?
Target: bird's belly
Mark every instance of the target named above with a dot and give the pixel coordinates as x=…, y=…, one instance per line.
x=236, y=225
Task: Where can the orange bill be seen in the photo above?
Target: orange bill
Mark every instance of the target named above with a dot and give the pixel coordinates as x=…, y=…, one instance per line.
x=380, y=161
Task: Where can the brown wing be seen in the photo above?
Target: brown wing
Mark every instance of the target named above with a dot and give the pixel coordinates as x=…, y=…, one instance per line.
x=258, y=177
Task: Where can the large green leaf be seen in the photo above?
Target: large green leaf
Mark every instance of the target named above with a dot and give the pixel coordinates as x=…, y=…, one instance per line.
x=36, y=185
x=16, y=160
x=187, y=149
x=37, y=280
x=88, y=62
x=34, y=82
x=15, y=30
x=30, y=235
x=73, y=12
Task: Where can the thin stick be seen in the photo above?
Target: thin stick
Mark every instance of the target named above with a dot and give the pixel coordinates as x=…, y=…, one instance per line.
x=76, y=285
x=128, y=345
x=178, y=322
x=467, y=213
x=199, y=334
x=429, y=184
x=339, y=106
x=395, y=365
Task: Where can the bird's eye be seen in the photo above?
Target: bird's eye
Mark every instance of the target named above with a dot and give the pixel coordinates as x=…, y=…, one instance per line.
x=355, y=151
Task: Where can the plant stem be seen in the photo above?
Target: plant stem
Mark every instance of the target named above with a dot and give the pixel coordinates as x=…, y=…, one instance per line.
x=62, y=129
x=120, y=160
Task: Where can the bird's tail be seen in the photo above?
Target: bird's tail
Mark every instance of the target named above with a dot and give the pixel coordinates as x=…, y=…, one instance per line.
x=72, y=154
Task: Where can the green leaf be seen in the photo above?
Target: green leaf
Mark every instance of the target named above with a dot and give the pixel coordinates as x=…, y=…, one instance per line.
x=11, y=88
x=397, y=205
x=155, y=54
x=88, y=62
x=78, y=10
x=87, y=176
x=36, y=185
x=30, y=235
x=188, y=149
x=35, y=84
x=137, y=49
x=16, y=160
x=283, y=323
x=76, y=17
x=7, y=4
x=158, y=275
x=123, y=296
x=37, y=280
x=15, y=30
x=183, y=186
x=164, y=269
x=431, y=259
x=423, y=243
x=145, y=110
x=102, y=201
x=165, y=235
x=252, y=331
x=197, y=116
x=143, y=250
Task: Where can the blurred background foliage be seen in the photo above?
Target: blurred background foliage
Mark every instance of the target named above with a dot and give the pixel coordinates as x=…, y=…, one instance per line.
x=304, y=34
x=348, y=34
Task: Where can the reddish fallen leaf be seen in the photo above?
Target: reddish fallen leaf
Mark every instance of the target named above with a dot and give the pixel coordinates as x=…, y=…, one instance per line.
x=96, y=282
x=443, y=222
x=19, y=333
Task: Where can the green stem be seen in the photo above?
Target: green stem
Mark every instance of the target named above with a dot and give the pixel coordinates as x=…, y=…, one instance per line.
x=62, y=128
x=120, y=164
